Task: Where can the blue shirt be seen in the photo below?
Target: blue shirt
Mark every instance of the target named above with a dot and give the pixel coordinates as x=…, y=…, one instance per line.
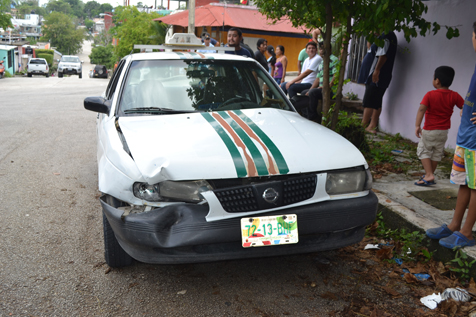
x=242, y=51
x=467, y=130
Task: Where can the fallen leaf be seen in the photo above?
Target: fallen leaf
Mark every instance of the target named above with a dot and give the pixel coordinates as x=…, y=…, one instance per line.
x=410, y=278
x=388, y=201
x=329, y=295
x=108, y=270
x=182, y=292
x=390, y=291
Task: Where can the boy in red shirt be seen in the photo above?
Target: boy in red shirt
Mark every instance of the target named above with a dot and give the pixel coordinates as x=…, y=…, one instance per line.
x=437, y=107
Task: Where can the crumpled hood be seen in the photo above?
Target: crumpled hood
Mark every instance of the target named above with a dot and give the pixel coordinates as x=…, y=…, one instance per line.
x=230, y=144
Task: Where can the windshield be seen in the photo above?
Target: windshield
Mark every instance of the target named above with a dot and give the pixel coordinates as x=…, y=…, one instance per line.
x=70, y=59
x=176, y=86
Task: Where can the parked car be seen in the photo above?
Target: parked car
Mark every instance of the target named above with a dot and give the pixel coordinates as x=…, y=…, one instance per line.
x=201, y=157
x=38, y=66
x=70, y=65
x=100, y=71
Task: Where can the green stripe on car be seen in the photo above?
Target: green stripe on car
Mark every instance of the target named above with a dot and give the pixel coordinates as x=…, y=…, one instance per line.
x=255, y=153
x=278, y=157
x=235, y=154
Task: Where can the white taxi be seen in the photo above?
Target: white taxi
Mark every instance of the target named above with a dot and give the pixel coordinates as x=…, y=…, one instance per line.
x=201, y=157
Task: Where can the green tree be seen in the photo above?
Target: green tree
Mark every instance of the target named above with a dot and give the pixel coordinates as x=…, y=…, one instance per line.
x=59, y=6
x=60, y=31
x=5, y=19
x=77, y=6
x=89, y=24
x=92, y=9
x=357, y=17
x=133, y=27
x=102, y=55
x=105, y=7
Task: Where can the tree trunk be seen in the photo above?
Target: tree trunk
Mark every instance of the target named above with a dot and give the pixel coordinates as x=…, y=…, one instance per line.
x=343, y=61
x=326, y=91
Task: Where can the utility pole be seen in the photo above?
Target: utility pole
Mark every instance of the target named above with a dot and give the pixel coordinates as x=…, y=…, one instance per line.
x=191, y=16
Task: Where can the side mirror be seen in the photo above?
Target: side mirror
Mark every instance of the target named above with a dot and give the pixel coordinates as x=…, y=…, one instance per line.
x=82, y=62
x=97, y=104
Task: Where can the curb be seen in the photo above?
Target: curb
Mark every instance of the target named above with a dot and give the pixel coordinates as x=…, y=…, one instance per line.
x=397, y=216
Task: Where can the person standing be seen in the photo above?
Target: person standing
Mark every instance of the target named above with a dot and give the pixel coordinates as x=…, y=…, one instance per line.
x=308, y=75
x=261, y=45
x=234, y=40
x=281, y=65
x=271, y=59
x=378, y=81
x=457, y=234
x=437, y=108
x=207, y=42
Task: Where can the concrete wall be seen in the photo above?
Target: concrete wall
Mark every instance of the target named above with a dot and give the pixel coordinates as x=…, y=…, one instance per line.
x=415, y=64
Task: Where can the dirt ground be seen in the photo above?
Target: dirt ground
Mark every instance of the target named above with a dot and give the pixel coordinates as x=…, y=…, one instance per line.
x=396, y=293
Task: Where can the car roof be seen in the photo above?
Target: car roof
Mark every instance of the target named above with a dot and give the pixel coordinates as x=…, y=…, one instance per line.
x=187, y=55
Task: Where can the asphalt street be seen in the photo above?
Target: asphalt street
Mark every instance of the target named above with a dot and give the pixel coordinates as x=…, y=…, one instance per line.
x=51, y=234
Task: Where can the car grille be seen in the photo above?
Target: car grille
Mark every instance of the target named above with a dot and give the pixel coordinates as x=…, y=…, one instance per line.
x=251, y=197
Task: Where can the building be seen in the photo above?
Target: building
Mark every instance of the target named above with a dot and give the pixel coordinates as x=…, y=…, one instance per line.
x=217, y=18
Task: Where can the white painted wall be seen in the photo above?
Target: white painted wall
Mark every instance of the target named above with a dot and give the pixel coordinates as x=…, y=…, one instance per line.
x=415, y=64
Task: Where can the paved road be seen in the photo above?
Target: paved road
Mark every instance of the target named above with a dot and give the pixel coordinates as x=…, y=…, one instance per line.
x=51, y=244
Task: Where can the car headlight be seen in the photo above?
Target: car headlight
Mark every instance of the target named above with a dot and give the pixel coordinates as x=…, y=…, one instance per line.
x=146, y=192
x=350, y=181
x=187, y=191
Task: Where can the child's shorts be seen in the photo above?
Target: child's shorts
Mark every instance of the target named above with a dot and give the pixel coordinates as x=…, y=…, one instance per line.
x=464, y=167
x=432, y=144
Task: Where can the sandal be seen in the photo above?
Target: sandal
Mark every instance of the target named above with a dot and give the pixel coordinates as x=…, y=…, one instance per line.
x=425, y=182
x=457, y=240
x=439, y=233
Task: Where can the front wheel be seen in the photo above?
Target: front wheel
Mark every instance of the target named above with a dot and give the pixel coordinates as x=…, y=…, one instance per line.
x=80, y=75
x=29, y=74
x=113, y=252
x=60, y=75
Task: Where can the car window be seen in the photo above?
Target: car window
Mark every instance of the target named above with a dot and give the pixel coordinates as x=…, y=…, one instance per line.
x=70, y=59
x=37, y=61
x=197, y=85
x=111, y=87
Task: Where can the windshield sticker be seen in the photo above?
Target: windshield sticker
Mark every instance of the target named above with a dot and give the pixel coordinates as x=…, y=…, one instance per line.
x=238, y=133
x=192, y=55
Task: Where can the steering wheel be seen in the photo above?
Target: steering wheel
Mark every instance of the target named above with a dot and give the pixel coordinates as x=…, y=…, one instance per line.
x=233, y=100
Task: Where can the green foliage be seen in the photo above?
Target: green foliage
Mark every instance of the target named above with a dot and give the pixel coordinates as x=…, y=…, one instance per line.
x=60, y=31
x=59, y=6
x=461, y=265
x=26, y=7
x=133, y=27
x=103, y=55
x=92, y=9
x=5, y=19
x=408, y=246
x=32, y=40
x=89, y=24
x=7, y=74
x=352, y=96
x=48, y=57
x=44, y=51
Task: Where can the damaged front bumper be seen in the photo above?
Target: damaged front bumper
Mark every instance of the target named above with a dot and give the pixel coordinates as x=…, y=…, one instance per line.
x=181, y=234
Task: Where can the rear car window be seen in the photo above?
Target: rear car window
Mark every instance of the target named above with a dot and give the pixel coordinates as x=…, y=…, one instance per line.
x=70, y=59
x=37, y=61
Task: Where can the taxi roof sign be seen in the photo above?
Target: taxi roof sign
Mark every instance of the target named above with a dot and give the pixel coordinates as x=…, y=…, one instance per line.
x=187, y=39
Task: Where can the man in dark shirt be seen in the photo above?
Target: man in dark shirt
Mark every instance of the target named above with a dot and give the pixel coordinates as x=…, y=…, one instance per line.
x=262, y=45
x=378, y=81
x=234, y=40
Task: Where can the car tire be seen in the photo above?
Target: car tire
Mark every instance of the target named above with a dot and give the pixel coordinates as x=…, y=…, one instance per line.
x=80, y=75
x=113, y=252
x=47, y=75
x=60, y=75
x=29, y=74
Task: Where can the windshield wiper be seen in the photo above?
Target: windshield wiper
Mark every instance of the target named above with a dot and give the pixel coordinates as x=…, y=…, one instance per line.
x=157, y=110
